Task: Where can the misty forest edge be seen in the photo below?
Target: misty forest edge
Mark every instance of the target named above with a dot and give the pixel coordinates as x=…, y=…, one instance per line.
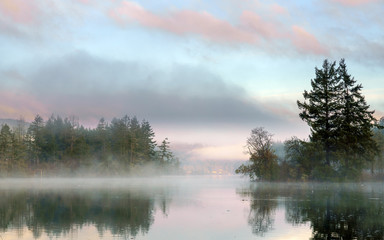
x=346, y=142
x=63, y=147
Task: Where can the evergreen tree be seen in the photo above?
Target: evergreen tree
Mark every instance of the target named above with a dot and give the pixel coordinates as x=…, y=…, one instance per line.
x=134, y=135
x=101, y=141
x=165, y=155
x=19, y=145
x=70, y=135
x=51, y=133
x=379, y=139
x=340, y=120
x=35, y=139
x=355, y=123
x=321, y=108
x=119, y=132
x=167, y=160
x=147, y=143
x=6, y=148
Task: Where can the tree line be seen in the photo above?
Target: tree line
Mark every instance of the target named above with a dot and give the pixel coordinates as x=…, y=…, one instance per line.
x=125, y=145
x=345, y=140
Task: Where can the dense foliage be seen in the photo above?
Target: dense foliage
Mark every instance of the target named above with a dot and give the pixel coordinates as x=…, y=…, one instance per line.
x=321, y=109
x=341, y=123
x=263, y=161
x=123, y=146
x=345, y=140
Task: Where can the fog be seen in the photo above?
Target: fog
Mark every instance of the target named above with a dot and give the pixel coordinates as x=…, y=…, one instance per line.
x=134, y=182
x=187, y=207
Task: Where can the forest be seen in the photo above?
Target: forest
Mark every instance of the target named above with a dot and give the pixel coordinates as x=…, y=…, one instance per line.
x=346, y=141
x=62, y=146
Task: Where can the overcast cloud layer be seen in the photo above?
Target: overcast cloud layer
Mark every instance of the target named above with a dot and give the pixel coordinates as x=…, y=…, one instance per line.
x=82, y=85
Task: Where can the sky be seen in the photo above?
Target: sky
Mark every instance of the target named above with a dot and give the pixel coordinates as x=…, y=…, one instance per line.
x=202, y=72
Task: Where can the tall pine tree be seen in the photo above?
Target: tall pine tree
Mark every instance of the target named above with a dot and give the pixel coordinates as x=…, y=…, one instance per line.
x=340, y=119
x=6, y=148
x=35, y=140
x=355, y=123
x=147, y=142
x=321, y=108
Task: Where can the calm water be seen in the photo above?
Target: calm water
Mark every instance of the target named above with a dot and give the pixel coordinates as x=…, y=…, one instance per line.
x=188, y=208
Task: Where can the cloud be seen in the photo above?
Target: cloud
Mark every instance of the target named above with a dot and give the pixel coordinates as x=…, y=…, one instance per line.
x=8, y=29
x=278, y=9
x=186, y=151
x=222, y=152
x=19, y=18
x=354, y=3
x=251, y=29
x=22, y=12
x=81, y=73
x=258, y=26
x=41, y=19
x=184, y=95
x=306, y=42
x=84, y=1
x=198, y=152
x=303, y=41
x=14, y=104
x=182, y=23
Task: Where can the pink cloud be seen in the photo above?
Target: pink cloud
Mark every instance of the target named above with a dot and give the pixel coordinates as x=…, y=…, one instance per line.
x=354, y=2
x=16, y=104
x=303, y=41
x=251, y=29
x=259, y=26
x=31, y=19
x=84, y=1
x=306, y=42
x=182, y=22
x=278, y=9
x=23, y=12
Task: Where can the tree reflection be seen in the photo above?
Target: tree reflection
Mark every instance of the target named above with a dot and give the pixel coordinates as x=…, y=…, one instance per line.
x=339, y=212
x=263, y=204
x=56, y=213
x=334, y=211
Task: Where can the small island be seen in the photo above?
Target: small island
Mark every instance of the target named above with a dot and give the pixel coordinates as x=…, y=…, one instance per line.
x=346, y=141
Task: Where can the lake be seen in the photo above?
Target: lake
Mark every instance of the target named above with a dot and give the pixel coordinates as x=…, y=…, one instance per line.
x=191, y=207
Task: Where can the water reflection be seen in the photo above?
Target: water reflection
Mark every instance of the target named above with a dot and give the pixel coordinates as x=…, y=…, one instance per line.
x=334, y=211
x=56, y=213
x=263, y=203
x=193, y=208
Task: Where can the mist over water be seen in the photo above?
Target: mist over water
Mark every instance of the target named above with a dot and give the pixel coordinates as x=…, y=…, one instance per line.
x=188, y=207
